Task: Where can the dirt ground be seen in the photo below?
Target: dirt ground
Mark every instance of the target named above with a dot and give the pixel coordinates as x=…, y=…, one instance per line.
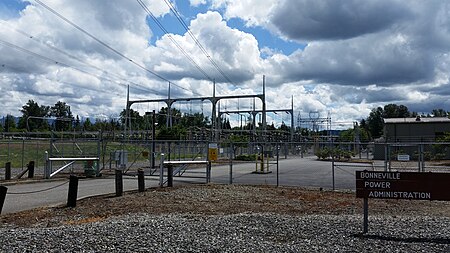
x=220, y=200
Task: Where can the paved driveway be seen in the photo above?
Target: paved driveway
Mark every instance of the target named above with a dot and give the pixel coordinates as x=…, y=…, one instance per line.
x=304, y=172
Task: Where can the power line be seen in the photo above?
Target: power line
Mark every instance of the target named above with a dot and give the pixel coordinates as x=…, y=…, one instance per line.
x=3, y=65
x=173, y=40
x=106, y=45
x=197, y=42
x=78, y=59
x=18, y=48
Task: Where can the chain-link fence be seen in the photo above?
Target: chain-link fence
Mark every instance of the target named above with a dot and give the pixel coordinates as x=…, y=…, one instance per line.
x=329, y=165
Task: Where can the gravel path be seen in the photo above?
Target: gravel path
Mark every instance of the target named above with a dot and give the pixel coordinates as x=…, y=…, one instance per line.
x=244, y=232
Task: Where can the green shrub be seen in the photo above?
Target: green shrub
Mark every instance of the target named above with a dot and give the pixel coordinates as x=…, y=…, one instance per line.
x=251, y=157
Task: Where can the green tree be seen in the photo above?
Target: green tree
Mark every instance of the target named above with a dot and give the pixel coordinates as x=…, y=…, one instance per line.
x=63, y=116
x=375, y=122
x=163, y=116
x=174, y=133
x=395, y=111
x=439, y=113
x=10, y=123
x=87, y=125
x=77, y=124
x=137, y=121
x=33, y=116
x=236, y=141
x=284, y=127
x=350, y=135
x=194, y=120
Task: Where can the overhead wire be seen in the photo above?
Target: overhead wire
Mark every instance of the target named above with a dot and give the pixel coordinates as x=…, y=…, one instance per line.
x=18, y=48
x=161, y=26
x=142, y=88
x=3, y=65
x=106, y=45
x=197, y=42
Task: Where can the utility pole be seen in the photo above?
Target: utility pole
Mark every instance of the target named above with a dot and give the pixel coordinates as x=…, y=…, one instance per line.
x=153, y=138
x=213, y=113
x=264, y=122
x=127, y=112
x=169, y=111
x=292, y=118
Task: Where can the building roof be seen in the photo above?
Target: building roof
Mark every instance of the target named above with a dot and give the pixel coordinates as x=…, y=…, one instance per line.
x=417, y=120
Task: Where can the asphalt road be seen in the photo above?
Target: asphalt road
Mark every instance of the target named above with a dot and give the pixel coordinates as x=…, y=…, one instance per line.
x=303, y=172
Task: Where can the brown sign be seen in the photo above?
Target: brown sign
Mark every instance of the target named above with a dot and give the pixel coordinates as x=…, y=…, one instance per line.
x=403, y=185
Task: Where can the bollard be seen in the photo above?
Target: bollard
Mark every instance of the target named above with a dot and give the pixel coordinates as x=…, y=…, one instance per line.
x=8, y=171
x=3, y=191
x=30, y=166
x=169, y=175
x=141, y=182
x=73, y=191
x=119, y=183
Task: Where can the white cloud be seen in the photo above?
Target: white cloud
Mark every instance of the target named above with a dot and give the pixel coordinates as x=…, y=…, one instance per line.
x=197, y=3
x=397, y=52
x=253, y=12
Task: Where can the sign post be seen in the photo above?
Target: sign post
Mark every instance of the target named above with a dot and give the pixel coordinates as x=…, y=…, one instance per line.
x=401, y=185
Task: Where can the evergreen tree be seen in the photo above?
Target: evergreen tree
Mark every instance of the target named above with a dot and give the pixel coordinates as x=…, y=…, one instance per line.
x=33, y=116
x=63, y=116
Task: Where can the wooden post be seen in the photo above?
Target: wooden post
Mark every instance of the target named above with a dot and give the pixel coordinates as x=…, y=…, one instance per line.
x=3, y=191
x=8, y=171
x=141, y=182
x=119, y=183
x=73, y=191
x=30, y=169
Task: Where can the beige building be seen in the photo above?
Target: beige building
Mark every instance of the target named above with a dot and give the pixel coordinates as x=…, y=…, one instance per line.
x=406, y=134
x=415, y=129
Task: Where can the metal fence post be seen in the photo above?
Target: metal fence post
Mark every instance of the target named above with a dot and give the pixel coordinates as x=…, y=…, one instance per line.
x=332, y=170
x=285, y=151
x=423, y=158
x=23, y=151
x=386, y=157
x=231, y=163
x=278, y=159
x=366, y=216
x=161, y=171
x=48, y=166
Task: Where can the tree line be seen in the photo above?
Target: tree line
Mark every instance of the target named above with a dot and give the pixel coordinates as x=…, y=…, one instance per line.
x=372, y=127
x=59, y=117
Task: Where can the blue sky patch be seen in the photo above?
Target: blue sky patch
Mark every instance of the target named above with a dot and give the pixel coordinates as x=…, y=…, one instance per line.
x=11, y=8
x=265, y=38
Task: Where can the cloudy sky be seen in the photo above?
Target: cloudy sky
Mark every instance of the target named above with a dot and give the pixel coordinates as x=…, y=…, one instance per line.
x=342, y=57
